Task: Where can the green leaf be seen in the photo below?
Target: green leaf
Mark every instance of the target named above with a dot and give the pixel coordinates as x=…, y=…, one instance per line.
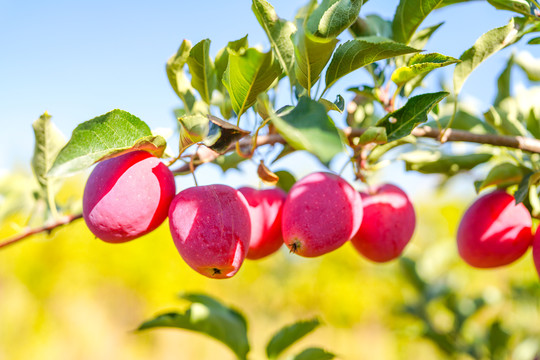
x=288, y=335
x=498, y=340
x=177, y=77
x=249, y=74
x=486, y=45
x=373, y=134
x=201, y=68
x=421, y=37
x=368, y=92
x=338, y=105
x=534, y=41
x=502, y=175
x=419, y=64
x=229, y=161
x=308, y=127
x=410, y=271
x=357, y=53
x=401, y=122
x=529, y=64
x=278, y=31
x=207, y=316
x=103, y=137
x=286, y=180
x=453, y=2
x=408, y=17
x=214, y=304
x=506, y=122
x=523, y=188
x=213, y=132
x=463, y=121
x=418, y=41
x=519, y=6
x=314, y=353
x=533, y=124
x=371, y=25
x=222, y=57
x=379, y=150
x=49, y=142
x=429, y=162
x=310, y=58
x=225, y=105
x=332, y=17
x=263, y=106
x=503, y=82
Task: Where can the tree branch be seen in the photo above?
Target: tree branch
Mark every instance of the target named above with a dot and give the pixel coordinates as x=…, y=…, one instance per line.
x=32, y=231
x=517, y=142
x=205, y=155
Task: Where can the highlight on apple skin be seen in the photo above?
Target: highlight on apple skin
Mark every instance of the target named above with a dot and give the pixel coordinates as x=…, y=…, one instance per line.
x=321, y=213
x=265, y=209
x=388, y=223
x=127, y=196
x=494, y=231
x=211, y=228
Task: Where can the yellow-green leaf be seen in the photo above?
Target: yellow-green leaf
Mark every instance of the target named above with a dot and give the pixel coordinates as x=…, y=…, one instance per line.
x=249, y=74
x=202, y=70
x=420, y=64
x=104, y=137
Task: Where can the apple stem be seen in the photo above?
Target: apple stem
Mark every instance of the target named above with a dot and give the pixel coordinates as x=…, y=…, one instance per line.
x=192, y=166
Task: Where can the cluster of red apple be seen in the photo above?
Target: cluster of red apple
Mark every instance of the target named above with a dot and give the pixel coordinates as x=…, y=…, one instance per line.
x=495, y=231
x=215, y=227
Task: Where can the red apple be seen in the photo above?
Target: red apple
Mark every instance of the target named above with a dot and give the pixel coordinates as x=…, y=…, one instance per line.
x=265, y=208
x=210, y=226
x=536, y=250
x=388, y=223
x=321, y=213
x=494, y=231
x=127, y=196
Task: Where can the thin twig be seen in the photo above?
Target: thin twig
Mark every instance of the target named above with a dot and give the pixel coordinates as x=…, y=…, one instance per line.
x=246, y=142
x=32, y=231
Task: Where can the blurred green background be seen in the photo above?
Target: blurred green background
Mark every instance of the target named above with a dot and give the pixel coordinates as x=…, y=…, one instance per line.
x=71, y=296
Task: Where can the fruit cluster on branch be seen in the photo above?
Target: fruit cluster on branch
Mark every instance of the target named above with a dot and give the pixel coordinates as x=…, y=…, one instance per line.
x=216, y=227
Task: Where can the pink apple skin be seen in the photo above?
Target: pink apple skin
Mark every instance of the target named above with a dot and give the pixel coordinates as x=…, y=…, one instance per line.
x=321, y=213
x=210, y=226
x=388, y=223
x=536, y=250
x=265, y=208
x=127, y=196
x=494, y=231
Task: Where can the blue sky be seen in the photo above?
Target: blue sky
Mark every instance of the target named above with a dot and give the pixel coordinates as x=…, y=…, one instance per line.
x=81, y=59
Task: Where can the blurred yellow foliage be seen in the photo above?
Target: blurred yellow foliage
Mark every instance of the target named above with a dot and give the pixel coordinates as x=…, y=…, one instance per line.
x=71, y=296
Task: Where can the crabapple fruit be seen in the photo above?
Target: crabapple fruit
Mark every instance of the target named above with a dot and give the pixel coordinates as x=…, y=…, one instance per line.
x=387, y=225
x=265, y=208
x=321, y=213
x=210, y=226
x=494, y=231
x=127, y=196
